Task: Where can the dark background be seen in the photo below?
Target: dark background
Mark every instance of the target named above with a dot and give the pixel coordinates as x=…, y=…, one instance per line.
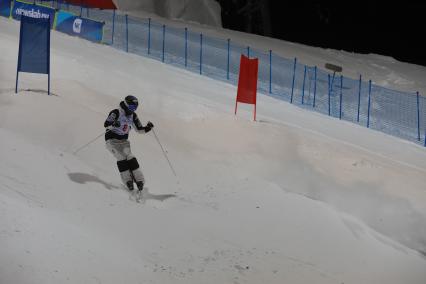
x=386, y=28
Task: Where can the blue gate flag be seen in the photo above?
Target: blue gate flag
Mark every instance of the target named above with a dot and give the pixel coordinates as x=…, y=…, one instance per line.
x=34, y=47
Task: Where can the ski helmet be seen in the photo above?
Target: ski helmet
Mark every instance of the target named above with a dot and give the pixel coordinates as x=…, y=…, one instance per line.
x=131, y=103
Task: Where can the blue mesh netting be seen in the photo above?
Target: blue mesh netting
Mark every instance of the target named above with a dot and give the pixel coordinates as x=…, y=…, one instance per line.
x=193, y=53
x=138, y=36
x=401, y=114
x=282, y=77
x=234, y=61
x=174, y=46
x=394, y=112
x=215, y=58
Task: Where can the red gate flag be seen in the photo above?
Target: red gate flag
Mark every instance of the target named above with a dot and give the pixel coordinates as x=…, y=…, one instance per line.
x=247, y=82
x=101, y=4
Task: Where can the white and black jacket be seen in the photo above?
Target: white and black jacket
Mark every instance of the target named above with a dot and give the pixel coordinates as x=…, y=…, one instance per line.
x=126, y=119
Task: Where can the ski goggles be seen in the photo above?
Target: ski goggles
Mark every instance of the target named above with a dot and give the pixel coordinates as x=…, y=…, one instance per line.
x=132, y=107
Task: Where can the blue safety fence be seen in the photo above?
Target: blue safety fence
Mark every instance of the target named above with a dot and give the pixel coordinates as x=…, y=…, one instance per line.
x=5, y=6
x=401, y=114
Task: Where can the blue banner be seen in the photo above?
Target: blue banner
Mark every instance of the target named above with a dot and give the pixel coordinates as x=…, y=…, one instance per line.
x=81, y=27
x=34, y=45
x=34, y=48
x=5, y=8
x=33, y=11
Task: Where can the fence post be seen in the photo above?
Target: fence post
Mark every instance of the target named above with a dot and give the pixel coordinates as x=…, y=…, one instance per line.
x=227, y=67
x=113, y=26
x=149, y=35
x=201, y=54
x=186, y=47
x=315, y=86
x=341, y=96
x=369, y=103
x=418, y=116
x=270, y=71
x=359, y=97
x=303, y=87
x=294, y=77
x=164, y=42
x=329, y=96
x=127, y=34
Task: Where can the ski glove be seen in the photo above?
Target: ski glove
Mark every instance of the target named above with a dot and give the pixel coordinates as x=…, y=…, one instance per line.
x=148, y=127
x=116, y=123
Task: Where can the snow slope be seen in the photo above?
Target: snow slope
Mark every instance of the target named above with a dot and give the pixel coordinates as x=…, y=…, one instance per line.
x=296, y=197
x=205, y=12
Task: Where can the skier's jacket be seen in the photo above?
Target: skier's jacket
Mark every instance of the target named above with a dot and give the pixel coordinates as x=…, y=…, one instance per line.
x=126, y=120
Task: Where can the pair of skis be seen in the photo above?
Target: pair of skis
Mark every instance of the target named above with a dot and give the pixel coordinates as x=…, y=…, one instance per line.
x=136, y=194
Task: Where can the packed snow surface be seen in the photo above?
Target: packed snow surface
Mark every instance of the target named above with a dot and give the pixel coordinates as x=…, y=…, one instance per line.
x=295, y=197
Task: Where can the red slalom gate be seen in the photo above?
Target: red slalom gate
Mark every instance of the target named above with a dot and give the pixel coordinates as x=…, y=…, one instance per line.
x=247, y=82
x=101, y=4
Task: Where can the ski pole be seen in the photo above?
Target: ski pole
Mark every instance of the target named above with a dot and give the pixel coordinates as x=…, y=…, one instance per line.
x=88, y=143
x=164, y=152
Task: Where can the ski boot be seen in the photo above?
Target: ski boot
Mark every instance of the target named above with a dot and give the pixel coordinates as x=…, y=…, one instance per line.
x=129, y=185
x=139, y=194
x=140, y=184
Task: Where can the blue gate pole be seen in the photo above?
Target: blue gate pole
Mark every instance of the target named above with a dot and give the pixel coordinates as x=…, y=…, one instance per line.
x=248, y=51
x=369, y=103
x=359, y=98
x=315, y=86
x=164, y=41
x=186, y=47
x=341, y=96
x=270, y=71
x=16, y=86
x=418, y=116
x=229, y=51
x=294, y=77
x=113, y=27
x=81, y=10
x=19, y=55
x=48, y=84
x=127, y=34
x=48, y=64
x=329, y=96
x=149, y=35
x=201, y=54
x=303, y=88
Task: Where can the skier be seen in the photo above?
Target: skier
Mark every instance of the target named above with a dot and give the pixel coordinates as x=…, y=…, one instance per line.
x=118, y=124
